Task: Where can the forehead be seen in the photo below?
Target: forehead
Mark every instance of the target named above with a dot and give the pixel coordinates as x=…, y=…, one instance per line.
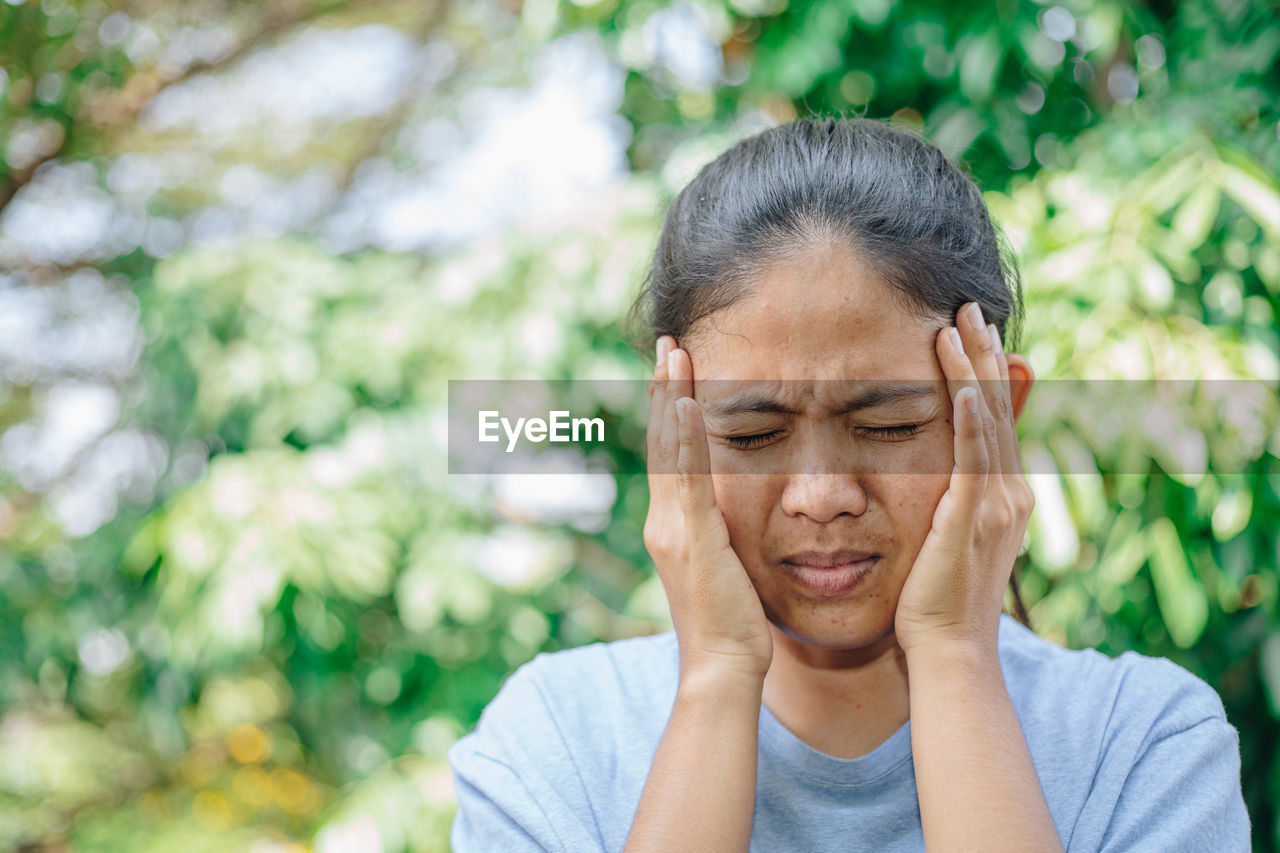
x=820, y=314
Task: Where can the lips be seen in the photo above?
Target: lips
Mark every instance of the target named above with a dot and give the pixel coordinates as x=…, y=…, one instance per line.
x=827, y=559
x=830, y=573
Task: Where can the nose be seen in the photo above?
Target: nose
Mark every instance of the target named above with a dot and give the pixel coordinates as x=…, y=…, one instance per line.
x=823, y=497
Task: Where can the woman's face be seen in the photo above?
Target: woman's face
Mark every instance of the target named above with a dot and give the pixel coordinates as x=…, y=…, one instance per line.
x=819, y=481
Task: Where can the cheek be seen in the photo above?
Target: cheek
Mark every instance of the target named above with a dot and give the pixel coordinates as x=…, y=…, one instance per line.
x=912, y=501
x=746, y=502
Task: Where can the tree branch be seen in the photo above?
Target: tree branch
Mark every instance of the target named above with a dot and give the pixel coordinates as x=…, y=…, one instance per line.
x=125, y=103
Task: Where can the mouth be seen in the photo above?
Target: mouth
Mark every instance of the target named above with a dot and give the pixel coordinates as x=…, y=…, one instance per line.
x=830, y=573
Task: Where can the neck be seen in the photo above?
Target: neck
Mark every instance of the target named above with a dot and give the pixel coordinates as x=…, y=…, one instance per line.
x=844, y=702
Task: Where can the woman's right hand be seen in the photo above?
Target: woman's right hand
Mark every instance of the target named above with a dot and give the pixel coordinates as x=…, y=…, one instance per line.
x=719, y=621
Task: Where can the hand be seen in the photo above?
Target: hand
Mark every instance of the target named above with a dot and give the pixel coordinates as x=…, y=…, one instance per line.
x=719, y=621
x=956, y=587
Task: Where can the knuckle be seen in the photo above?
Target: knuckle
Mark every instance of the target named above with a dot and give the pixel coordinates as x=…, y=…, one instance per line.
x=1000, y=407
x=684, y=460
x=987, y=417
x=657, y=541
x=1007, y=510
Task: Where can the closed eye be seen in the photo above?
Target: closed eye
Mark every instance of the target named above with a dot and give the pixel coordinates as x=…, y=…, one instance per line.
x=747, y=442
x=901, y=431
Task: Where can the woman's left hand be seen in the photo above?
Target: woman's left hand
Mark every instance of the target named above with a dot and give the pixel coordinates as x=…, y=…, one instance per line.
x=955, y=589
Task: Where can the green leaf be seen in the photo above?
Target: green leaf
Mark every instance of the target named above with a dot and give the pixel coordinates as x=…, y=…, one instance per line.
x=1232, y=514
x=1125, y=551
x=1255, y=194
x=1183, y=604
x=1195, y=217
x=979, y=65
x=1271, y=671
x=1162, y=187
x=1054, y=543
x=957, y=131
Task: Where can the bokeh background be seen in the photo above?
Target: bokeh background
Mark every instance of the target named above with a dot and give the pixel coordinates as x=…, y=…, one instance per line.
x=244, y=245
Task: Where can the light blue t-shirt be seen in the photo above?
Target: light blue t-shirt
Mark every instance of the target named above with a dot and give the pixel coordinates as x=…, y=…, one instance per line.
x=1133, y=754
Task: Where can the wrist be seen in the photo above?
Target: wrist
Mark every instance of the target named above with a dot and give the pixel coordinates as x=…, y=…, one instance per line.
x=719, y=680
x=954, y=656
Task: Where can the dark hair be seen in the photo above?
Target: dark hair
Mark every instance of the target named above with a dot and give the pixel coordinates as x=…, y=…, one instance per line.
x=917, y=220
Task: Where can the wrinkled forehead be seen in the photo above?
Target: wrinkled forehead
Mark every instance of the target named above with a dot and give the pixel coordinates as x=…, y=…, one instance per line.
x=726, y=398
x=820, y=315
x=819, y=347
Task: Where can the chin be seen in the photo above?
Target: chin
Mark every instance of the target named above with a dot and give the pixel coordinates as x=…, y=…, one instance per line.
x=833, y=632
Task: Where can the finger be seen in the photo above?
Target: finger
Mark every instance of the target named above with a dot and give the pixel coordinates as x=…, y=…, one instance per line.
x=1001, y=362
x=972, y=453
x=1006, y=432
x=693, y=480
x=680, y=373
x=958, y=370
x=679, y=384
x=654, y=429
x=969, y=477
x=661, y=347
x=982, y=357
x=673, y=389
x=658, y=404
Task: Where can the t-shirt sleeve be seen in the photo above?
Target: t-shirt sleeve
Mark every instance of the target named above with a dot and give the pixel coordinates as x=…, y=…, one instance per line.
x=1173, y=784
x=515, y=779
x=1184, y=794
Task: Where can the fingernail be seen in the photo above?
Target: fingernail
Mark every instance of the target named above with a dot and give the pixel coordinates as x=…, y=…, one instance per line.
x=995, y=337
x=681, y=414
x=975, y=316
x=970, y=401
x=954, y=337
x=671, y=365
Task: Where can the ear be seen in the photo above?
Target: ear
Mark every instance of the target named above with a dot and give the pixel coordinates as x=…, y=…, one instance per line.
x=1021, y=378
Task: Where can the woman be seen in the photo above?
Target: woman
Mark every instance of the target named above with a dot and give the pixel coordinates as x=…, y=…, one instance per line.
x=837, y=501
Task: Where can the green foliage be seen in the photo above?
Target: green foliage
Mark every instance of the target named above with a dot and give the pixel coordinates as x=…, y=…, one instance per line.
x=278, y=644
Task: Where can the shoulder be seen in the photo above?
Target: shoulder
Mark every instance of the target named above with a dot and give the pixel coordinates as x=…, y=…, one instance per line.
x=629, y=662
x=564, y=729
x=569, y=697
x=1133, y=752
x=1127, y=685
x=634, y=673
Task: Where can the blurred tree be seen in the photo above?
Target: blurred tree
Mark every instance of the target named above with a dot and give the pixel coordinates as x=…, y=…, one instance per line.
x=246, y=245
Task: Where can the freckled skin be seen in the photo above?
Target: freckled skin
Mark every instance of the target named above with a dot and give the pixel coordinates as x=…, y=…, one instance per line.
x=822, y=316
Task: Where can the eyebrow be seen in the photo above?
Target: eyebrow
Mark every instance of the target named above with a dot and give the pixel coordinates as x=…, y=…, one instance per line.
x=755, y=402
